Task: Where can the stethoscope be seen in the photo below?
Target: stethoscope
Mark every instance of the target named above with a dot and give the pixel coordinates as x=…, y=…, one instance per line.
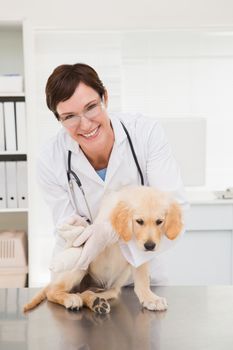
x=70, y=173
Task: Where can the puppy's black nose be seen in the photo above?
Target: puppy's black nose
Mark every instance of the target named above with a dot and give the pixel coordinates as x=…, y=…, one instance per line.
x=149, y=245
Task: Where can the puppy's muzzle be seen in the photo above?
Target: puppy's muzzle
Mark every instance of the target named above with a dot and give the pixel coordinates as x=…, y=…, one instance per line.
x=149, y=245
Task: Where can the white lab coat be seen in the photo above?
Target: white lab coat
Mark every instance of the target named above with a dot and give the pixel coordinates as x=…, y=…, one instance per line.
x=155, y=158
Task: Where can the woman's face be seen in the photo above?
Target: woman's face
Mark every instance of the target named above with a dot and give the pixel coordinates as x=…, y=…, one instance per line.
x=91, y=125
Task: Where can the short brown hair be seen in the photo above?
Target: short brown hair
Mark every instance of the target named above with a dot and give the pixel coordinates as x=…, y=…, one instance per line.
x=64, y=80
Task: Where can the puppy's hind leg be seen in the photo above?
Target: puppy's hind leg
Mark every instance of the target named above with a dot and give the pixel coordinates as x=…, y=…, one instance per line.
x=58, y=292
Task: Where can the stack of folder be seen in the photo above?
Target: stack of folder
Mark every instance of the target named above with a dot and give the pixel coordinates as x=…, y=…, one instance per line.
x=13, y=173
x=13, y=126
x=13, y=184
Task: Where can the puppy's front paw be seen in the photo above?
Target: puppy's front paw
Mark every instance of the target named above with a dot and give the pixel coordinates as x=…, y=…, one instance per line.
x=155, y=304
x=73, y=302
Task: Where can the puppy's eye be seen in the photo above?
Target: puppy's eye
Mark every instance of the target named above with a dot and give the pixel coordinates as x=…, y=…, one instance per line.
x=140, y=221
x=159, y=222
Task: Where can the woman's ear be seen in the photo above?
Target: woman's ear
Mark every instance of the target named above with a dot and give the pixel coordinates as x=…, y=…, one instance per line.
x=121, y=220
x=173, y=221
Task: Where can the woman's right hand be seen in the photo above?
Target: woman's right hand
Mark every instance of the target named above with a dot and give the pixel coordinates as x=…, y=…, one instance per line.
x=73, y=228
x=77, y=220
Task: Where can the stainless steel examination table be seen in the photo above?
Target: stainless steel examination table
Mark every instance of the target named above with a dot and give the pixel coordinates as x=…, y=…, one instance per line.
x=197, y=318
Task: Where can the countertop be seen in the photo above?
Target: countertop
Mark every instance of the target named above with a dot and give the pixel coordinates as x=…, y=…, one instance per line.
x=197, y=197
x=198, y=318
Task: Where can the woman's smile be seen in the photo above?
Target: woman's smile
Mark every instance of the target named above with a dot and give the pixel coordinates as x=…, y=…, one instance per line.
x=92, y=134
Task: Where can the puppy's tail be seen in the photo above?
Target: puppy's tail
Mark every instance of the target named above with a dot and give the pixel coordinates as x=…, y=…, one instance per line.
x=36, y=300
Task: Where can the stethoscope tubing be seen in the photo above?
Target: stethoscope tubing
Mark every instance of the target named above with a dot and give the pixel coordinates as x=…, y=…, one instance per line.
x=70, y=173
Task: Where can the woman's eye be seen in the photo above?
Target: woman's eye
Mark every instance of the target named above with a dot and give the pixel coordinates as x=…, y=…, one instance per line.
x=140, y=221
x=91, y=107
x=68, y=117
x=159, y=222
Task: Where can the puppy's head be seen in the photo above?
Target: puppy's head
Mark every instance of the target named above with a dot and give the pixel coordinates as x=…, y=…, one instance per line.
x=146, y=214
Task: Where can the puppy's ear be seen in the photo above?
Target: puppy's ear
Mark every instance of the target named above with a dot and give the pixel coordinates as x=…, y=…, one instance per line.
x=121, y=220
x=173, y=221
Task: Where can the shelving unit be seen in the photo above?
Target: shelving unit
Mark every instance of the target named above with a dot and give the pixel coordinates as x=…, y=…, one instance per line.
x=14, y=210
x=9, y=153
x=9, y=94
x=12, y=61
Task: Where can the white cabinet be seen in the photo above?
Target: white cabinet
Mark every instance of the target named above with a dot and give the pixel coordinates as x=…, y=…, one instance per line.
x=204, y=255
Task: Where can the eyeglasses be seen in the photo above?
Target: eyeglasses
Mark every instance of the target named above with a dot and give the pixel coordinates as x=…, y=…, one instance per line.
x=91, y=112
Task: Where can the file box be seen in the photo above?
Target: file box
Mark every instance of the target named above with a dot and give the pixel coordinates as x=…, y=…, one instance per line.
x=13, y=259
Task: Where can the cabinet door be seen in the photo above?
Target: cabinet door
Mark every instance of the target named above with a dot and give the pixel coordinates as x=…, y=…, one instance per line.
x=200, y=258
x=210, y=217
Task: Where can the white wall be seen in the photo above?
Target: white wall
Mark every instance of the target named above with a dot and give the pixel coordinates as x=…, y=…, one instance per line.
x=120, y=14
x=178, y=73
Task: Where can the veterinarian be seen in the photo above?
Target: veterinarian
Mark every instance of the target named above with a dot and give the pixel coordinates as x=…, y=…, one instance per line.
x=97, y=152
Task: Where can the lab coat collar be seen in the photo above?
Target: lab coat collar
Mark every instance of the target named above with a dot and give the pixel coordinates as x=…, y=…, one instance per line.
x=119, y=132
x=70, y=143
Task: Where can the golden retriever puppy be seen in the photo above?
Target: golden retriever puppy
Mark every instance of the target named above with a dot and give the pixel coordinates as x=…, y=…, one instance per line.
x=141, y=215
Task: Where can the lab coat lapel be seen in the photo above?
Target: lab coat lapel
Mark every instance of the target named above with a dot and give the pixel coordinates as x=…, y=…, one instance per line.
x=114, y=162
x=118, y=150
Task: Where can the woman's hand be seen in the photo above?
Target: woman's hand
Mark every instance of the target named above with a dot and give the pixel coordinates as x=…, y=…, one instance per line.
x=84, y=244
x=96, y=237
x=72, y=229
x=77, y=220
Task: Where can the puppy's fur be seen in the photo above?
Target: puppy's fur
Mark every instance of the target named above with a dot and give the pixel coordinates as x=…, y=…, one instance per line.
x=142, y=213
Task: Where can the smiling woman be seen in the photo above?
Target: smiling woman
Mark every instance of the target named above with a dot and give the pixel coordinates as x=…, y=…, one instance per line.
x=78, y=99
x=128, y=149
